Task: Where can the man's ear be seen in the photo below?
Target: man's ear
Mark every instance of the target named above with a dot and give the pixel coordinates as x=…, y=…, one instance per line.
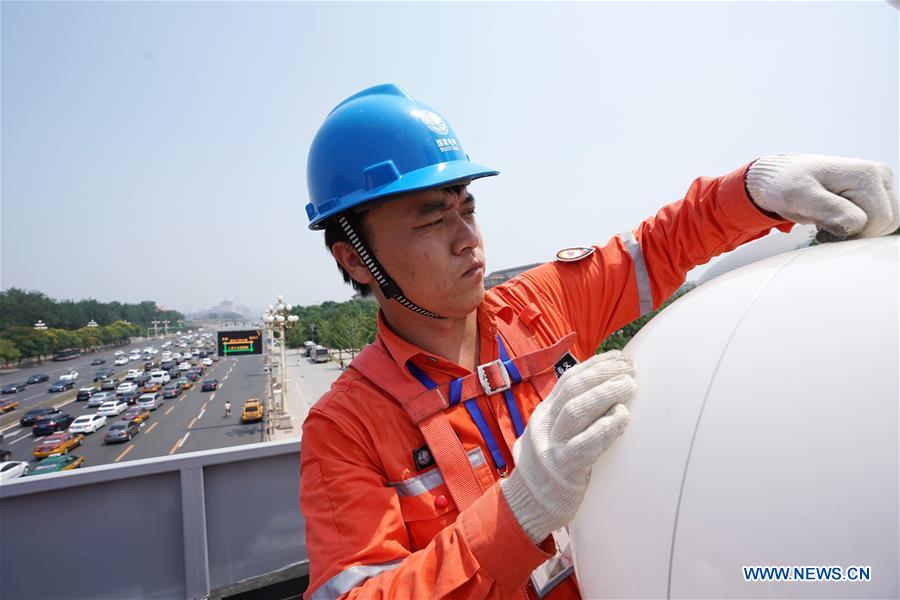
x=344, y=253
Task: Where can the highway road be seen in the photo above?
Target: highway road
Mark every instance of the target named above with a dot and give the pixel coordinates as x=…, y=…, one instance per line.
x=193, y=421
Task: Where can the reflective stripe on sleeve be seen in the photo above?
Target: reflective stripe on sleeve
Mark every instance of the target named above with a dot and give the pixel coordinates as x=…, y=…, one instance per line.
x=349, y=578
x=433, y=478
x=645, y=296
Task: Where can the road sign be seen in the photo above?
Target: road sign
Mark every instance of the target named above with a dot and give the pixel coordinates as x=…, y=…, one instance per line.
x=235, y=343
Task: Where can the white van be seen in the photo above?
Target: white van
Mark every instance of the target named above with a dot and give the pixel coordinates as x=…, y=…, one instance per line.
x=160, y=376
x=150, y=401
x=308, y=348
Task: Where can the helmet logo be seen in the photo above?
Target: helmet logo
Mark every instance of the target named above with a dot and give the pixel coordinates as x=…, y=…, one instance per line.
x=434, y=122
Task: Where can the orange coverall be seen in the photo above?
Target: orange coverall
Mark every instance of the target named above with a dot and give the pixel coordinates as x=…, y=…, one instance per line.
x=377, y=528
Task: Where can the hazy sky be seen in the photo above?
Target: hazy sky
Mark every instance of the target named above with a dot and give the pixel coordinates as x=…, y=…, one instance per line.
x=157, y=150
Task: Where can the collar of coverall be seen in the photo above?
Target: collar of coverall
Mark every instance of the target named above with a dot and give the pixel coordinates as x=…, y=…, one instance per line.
x=401, y=350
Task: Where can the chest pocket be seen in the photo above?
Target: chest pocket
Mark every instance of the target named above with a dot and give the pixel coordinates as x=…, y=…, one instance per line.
x=426, y=504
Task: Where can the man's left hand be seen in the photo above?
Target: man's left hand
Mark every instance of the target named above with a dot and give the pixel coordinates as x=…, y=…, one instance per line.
x=844, y=197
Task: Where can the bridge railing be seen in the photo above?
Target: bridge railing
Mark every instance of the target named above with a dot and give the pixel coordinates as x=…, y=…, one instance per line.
x=183, y=526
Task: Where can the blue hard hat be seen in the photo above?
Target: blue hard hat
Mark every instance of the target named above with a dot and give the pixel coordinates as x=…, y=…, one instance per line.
x=380, y=142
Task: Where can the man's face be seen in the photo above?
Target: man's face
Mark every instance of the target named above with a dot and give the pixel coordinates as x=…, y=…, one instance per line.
x=429, y=243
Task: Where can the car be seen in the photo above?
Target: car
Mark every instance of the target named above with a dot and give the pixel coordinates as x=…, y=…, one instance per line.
x=12, y=388
x=108, y=384
x=103, y=373
x=70, y=376
x=134, y=357
x=5, y=455
x=209, y=385
x=113, y=408
x=121, y=431
x=126, y=386
x=8, y=404
x=98, y=361
x=161, y=376
x=184, y=366
x=151, y=386
x=171, y=391
x=118, y=353
x=150, y=401
x=58, y=443
x=54, y=464
x=61, y=386
x=136, y=414
x=99, y=398
x=184, y=384
x=12, y=468
x=130, y=397
x=149, y=365
x=193, y=375
x=35, y=413
x=85, y=393
x=121, y=360
x=251, y=411
x=51, y=424
x=132, y=373
x=87, y=423
x=37, y=378
x=206, y=362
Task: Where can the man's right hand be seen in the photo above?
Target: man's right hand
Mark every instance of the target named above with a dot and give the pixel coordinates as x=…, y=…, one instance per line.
x=567, y=432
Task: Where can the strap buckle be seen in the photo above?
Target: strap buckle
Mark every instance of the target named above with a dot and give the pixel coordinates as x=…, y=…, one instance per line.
x=486, y=384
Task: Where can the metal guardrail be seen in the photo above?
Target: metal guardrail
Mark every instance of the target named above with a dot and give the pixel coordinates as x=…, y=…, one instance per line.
x=169, y=527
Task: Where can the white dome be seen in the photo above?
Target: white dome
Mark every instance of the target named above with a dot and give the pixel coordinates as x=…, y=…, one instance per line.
x=764, y=432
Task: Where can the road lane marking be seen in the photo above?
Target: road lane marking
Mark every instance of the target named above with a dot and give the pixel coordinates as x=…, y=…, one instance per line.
x=126, y=451
x=21, y=438
x=171, y=408
x=174, y=448
x=184, y=439
x=149, y=429
x=212, y=396
x=191, y=424
x=200, y=416
x=202, y=408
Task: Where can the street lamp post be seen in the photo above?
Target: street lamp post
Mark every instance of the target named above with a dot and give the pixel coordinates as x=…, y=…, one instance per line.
x=279, y=319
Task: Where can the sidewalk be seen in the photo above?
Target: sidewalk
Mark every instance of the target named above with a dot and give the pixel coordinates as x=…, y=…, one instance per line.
x=305, y=384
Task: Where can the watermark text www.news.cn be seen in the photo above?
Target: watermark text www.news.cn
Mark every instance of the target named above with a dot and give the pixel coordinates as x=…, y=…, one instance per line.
x=806, y=573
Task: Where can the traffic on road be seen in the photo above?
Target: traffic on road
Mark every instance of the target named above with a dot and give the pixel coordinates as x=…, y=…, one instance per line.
x=163, y=398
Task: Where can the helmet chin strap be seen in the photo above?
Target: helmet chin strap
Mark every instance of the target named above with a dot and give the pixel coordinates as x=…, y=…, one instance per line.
x=388, y=286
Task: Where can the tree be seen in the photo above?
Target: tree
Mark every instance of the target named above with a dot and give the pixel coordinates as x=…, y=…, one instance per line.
x=8, y=351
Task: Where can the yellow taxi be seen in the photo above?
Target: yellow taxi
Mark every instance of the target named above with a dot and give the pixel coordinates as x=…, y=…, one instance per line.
x=7, y=405
x=58, y=443
x=185, y=384
x=151, y=386
x=251, y=411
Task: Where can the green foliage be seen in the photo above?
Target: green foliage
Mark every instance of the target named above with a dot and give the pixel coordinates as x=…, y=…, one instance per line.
x=32, y=343
x=8, y=351
x=618, y=339
x=18, y=307
x=347, y=325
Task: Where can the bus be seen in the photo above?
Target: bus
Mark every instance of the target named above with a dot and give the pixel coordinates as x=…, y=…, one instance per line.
x=308, y=348
x=320, y=354
x=67, y=354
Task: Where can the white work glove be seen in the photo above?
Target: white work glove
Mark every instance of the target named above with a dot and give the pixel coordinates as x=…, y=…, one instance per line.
x=567, y=432
x=844, y=197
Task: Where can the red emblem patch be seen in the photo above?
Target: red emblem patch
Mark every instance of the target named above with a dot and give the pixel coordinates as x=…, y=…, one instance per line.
x=574, y=254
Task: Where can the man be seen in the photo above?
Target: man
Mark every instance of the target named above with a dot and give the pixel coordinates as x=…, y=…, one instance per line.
x=447, y=460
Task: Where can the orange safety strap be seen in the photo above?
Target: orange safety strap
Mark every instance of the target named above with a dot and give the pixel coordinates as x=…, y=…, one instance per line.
x=426, y=409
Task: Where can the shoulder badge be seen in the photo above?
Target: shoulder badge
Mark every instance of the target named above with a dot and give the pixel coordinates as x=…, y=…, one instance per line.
x=574, y=254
